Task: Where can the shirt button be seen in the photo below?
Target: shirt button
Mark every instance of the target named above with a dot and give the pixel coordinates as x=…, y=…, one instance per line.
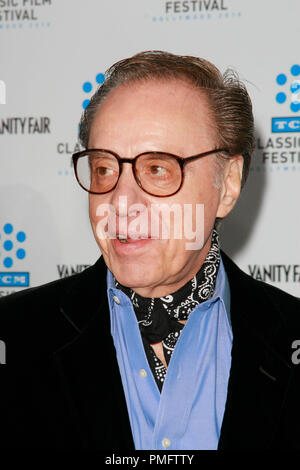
x=116, y=299
x=143, y=373
x=166, y=442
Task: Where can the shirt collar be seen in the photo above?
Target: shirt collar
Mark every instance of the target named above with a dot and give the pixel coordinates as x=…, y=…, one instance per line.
x=222, y=289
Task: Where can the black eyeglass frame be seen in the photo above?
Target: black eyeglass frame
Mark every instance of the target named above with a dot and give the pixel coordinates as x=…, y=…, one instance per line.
x=181, y=160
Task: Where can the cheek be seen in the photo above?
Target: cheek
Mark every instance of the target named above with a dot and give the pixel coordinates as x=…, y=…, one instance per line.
x=93, y=205
x=201, y=196
x=91, y=210
x=98, y=217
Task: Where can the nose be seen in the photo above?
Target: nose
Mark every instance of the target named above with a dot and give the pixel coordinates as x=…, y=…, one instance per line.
x=127, y=192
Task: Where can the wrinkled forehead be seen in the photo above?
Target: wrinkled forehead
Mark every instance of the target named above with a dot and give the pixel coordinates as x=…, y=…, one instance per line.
x=155, y=110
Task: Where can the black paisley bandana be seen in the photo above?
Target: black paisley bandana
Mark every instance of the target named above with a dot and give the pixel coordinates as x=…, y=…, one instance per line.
x=158, y=317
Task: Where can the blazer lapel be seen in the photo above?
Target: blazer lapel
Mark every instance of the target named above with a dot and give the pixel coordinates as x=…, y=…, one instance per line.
x=260, y=371
x=88, y=367
x=259, y=376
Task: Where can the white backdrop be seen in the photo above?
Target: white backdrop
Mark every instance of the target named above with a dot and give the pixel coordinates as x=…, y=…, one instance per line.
x=49, y=50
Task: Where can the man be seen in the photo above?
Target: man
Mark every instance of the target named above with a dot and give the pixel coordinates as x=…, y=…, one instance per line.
x=164, y=343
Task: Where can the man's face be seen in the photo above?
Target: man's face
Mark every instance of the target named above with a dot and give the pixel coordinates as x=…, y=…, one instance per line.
x=156, y=116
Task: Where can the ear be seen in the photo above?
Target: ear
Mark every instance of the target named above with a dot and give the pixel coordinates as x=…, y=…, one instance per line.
x=230, y=185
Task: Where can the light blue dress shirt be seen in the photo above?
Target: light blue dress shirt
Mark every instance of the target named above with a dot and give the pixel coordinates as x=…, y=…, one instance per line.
x=188, y=413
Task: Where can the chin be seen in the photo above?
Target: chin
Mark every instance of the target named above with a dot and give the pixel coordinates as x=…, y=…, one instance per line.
x=134, y=275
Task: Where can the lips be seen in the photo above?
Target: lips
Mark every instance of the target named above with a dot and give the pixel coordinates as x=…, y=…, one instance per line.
x=130, y=246
x=122, y=239
x=132, y=239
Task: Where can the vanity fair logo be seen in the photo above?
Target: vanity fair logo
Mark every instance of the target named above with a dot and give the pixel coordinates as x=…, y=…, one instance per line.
x=156, y=221
x=275, y=272
x=66, y=270
x=21, y=125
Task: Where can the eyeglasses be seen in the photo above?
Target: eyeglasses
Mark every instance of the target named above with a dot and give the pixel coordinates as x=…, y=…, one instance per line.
x=157, y=173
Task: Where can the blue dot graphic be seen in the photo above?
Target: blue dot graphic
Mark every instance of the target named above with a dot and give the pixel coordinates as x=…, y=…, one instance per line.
x=100, y=78
x=8, y=228
x=21, y=237
x=21, y=253
x=295, y=70
x=281, y=79
x=8, y=245
x=280, y=97
x=8, y=262
x=295, y=106
x=87, y=87
x=85, y=104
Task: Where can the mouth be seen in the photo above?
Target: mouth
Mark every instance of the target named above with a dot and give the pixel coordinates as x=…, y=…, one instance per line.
x=131, y=244
x=124, y=239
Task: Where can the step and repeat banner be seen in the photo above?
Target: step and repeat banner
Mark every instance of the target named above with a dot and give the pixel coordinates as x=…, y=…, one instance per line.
x=53, y=55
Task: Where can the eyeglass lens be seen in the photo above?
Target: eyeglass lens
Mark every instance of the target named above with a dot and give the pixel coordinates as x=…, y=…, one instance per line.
x=157, y=173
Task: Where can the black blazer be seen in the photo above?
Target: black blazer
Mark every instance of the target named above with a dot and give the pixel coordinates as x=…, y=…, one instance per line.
x=61, y=388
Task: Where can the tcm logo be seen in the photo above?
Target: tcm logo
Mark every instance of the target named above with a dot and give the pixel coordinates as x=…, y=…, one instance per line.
x=288, y=95
x=88, y=88
x=12, y=251
x=14, y=279
x=286, y=124
x=2, y=92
